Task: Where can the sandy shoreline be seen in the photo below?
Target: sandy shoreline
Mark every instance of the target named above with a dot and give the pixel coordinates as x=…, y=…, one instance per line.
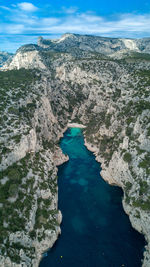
x=76, y=125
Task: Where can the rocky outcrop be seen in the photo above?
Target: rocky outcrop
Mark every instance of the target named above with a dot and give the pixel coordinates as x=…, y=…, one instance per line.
x=30, y=59
x=4, y=56
x=26, y=145
x=59, y=158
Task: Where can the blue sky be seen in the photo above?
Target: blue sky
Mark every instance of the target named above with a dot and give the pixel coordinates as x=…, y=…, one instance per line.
x=21, y=22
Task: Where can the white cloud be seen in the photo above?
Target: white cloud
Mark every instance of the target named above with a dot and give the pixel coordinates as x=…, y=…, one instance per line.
x=90, y=18
x=11, y=29
x=126, y=25
x=49, y=21
x=26, y=6
x=71, y=20
x=70, y=10
x=24, y=19
x=5, y=7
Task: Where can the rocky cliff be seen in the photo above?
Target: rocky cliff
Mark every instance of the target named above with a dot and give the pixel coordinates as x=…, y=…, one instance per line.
x=4, y=56
x=102, y=83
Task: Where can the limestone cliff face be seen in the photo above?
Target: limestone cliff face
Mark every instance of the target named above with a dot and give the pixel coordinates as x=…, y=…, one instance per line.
x=27, y=145
x=25, y=60
x=109, y=96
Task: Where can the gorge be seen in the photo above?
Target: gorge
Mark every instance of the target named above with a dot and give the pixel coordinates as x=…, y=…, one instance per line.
x=102, y=83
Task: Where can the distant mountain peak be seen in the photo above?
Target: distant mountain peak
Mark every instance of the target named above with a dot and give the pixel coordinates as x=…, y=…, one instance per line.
x=104, y=45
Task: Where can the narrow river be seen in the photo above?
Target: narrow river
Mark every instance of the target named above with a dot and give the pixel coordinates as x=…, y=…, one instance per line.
x=96, y=232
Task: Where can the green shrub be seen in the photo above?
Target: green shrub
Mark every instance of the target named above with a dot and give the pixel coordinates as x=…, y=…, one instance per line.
x=108, y=120
x=145, y=164
x=127, y=157
x=128, y=186
x=129, y=120
x=13, y=110
x=129, y=131
x=144, y=205
x=32, y=234
x=148, y=131
x=143, y=187
x=14, y=175
x=13, y=189
x=139, y=150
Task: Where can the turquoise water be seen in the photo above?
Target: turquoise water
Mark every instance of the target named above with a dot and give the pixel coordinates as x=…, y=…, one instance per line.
x=95, y=230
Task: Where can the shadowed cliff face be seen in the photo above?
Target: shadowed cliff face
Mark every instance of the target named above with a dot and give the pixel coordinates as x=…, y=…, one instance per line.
x=43, y=88
x=4, y=56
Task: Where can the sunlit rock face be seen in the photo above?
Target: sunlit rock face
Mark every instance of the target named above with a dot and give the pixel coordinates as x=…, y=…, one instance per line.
x=101, y=83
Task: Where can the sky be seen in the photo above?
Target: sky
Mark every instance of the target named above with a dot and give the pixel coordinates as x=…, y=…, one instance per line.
x=22, y=22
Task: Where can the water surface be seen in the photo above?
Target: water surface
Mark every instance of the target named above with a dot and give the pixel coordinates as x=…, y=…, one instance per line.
x=96, y=232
